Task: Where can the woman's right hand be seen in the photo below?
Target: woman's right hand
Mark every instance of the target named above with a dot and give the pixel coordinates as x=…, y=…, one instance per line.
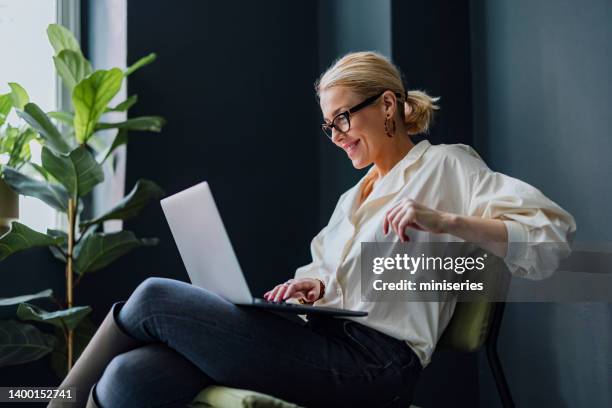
x=308, y=289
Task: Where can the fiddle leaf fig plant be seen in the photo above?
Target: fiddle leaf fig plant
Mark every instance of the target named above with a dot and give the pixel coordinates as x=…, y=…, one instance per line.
x=71, y=167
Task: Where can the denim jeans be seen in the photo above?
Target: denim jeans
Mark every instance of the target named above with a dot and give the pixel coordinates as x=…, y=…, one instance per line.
x=194, y=338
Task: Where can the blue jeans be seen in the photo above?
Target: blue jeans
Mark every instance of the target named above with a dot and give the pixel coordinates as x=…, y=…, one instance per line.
x=195, y=338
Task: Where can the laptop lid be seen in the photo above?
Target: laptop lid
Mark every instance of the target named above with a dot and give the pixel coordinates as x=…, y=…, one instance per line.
x=203, y=243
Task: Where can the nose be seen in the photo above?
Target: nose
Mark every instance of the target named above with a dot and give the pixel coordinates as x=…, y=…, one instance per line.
x=337, y=135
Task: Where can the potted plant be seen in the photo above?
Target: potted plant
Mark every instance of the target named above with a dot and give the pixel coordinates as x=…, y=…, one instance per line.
x=71, y=167
x=14, y=152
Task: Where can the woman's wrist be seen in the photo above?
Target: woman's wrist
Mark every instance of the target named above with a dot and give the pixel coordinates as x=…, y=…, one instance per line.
x=450, y=223
x=490, y=234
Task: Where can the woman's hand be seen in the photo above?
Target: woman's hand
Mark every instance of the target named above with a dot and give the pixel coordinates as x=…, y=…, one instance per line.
x=308, y=289
x=407, y=213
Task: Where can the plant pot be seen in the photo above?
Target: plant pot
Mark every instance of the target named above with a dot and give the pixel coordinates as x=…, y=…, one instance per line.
x=9, y=207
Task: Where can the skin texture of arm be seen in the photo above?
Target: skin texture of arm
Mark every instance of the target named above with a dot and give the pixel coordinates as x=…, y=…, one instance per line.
x=490, y=234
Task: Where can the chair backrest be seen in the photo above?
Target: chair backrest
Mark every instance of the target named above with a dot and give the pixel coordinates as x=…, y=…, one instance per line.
x=470, y=325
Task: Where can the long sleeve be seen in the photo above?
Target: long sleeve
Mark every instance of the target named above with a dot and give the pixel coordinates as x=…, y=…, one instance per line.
x=313, y=269
x=539, y=230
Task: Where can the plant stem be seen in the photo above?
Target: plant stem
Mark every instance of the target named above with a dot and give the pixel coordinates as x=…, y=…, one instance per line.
x=69, y=274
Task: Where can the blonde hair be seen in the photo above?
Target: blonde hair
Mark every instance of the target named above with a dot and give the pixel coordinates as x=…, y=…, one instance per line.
x=367, y=73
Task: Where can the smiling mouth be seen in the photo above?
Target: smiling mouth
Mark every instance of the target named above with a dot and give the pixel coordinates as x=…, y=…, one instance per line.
x=350, y=147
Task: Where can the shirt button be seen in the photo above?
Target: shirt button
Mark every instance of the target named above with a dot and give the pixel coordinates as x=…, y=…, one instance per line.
x=338, y=291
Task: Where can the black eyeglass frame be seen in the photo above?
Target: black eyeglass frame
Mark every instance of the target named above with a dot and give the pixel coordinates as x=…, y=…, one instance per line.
x=347, y=114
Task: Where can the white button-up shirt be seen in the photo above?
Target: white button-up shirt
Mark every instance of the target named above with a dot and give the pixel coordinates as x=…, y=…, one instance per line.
x=449, y=178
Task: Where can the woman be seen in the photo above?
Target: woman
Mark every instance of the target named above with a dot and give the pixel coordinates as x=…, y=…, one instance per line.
x=171, y=339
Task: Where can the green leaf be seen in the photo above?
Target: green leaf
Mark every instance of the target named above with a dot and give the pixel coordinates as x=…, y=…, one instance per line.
x=90, y=99
x=69, y=317
x=125, y=105
x=57, y=253
x=21, y=237
x=120, y=139
x=54, y=195
x=24, y=298
x=6, y=103
x=72, y=67
x=88, y=170
x=79, y=172
x=62, y=39
x=98, y=250
x=19, y=95
x=141, y=63
x=143, y=192
x=64, y=117
x=146, y=123
x=21, y=343
x=40, y=170
x=39, y=120
x=20, y=153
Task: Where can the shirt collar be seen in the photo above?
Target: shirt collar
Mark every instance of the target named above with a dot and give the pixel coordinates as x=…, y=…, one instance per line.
x=391, y=183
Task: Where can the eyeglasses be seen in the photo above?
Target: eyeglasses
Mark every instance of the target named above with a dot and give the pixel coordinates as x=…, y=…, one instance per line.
x=342, y=121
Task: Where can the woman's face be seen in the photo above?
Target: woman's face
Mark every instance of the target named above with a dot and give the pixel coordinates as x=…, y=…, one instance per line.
x=364, y=141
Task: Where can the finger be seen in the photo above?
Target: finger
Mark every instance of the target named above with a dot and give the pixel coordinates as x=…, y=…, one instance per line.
x=403, y=224
x=296, y=287
x=390, y=215
x=279, y=294
x=396, y=219
x=274, y=292
x=312, y=296
x=268, y=294
x=407, y=220
x=386, y=221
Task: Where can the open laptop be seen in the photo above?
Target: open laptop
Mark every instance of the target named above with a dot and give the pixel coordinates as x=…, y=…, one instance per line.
x=209, y=257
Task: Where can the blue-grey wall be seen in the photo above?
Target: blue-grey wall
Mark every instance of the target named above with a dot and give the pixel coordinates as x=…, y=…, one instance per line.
x=346, y=26
x=542, y=97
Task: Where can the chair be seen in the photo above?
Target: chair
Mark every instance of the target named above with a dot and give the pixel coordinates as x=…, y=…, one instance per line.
x=476, y=324
x=473, y=325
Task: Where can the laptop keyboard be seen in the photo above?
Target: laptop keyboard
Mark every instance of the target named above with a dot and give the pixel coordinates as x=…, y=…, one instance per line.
x=282, y=302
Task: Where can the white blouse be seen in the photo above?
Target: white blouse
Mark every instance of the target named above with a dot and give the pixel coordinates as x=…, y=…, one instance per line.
x=449, y=178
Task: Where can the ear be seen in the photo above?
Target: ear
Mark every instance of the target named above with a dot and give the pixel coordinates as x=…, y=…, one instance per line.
x=389, y=103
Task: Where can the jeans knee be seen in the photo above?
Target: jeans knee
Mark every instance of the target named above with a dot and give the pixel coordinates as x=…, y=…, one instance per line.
x=153, y=288
x=119, y=382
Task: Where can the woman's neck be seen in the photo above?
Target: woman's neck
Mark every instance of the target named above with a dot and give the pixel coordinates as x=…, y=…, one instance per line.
x=395, y=152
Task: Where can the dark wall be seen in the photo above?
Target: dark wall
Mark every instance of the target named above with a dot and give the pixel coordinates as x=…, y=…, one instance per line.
x=346, y=26
x=431, y=45
x=234, y=80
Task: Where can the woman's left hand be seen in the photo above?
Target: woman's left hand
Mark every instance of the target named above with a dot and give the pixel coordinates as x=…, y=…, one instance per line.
x=407, y=213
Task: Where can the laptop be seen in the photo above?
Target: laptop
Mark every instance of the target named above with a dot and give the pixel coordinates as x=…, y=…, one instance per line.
x=209, y=257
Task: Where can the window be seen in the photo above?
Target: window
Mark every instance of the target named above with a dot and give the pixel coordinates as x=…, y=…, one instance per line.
x=27, y=60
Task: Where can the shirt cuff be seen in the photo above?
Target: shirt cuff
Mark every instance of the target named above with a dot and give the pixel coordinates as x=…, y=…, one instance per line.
x=517, y=242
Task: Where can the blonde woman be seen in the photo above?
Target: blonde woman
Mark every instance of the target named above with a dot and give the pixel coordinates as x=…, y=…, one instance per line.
x=171, y=339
